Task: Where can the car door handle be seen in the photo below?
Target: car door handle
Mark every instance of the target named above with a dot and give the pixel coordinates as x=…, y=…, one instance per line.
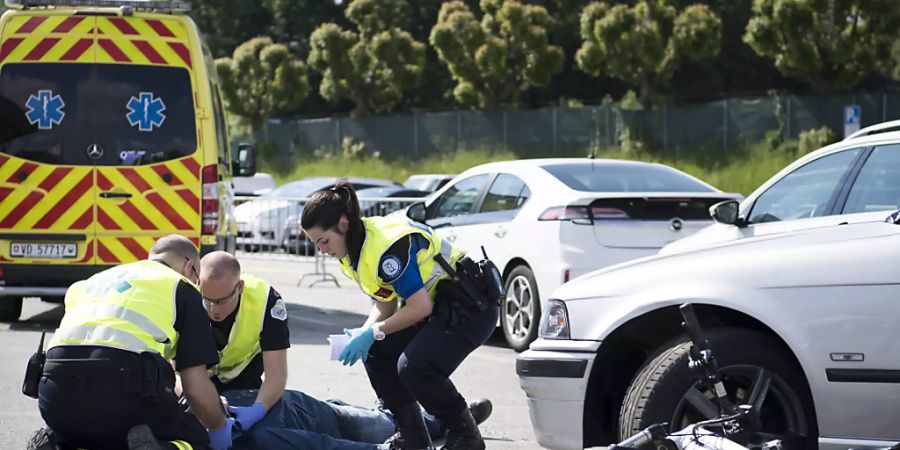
x=500, y=232
x=115, y=195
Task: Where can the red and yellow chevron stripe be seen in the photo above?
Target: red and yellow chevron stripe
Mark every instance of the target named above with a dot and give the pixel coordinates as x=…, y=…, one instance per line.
x=63, y=38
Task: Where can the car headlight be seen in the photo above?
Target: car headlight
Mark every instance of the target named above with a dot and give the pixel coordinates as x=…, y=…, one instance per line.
x=555, y=321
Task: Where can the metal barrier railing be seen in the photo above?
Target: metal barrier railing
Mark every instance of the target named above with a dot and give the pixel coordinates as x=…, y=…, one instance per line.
x=271, y=225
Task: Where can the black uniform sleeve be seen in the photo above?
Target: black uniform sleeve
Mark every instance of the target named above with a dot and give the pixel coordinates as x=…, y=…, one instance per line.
x=275, y=334
x=196, y=344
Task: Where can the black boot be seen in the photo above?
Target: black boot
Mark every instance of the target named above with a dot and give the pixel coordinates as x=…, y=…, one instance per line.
x=481, y=409
x=140, y=437
x=41, y=439
x=464, y=434
x=411, y=432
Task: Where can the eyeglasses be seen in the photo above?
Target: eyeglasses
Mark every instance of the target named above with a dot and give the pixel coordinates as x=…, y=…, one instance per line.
x=221, y=301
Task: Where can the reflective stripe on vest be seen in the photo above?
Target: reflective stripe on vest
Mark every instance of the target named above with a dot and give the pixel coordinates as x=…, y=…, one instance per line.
x=243, y=341
x=381, y=234
x=130, y=307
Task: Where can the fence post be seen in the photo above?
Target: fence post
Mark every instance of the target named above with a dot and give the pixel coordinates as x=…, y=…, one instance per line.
x=787, y=116
x=458, y=128
x=665, y=119
x=883, y=106
x=505, y=131
x=610, y=141
x=725, y=126
x=416, y=134
x=337, y=135
x=554, y=129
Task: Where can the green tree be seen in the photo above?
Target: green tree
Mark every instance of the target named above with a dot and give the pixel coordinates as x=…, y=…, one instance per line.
x=642, y=45
x=293, y=21
x=495, y=60
x=829, y=44
x=262, y=79
x=372, y=66
x=228, y=23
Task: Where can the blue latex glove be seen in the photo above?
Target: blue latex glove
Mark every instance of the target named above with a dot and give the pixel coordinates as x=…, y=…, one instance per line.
x=220, y=438
x=247, y=416
x=361, y=339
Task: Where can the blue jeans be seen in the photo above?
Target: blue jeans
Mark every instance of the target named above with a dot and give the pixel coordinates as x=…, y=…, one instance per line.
x=300, y=421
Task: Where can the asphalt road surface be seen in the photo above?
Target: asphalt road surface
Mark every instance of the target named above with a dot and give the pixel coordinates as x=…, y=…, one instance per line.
x=314, y=312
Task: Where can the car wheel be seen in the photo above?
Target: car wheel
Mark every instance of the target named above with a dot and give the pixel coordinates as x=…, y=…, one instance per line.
x=10, y=309
x=756, y=370
x=521, y=309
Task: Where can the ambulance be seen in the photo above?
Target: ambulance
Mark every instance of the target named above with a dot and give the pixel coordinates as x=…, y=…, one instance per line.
x=112, y=134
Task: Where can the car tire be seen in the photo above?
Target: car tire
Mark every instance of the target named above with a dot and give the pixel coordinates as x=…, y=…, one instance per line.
x=521, y=309
x=10, y=309
x=661, y=391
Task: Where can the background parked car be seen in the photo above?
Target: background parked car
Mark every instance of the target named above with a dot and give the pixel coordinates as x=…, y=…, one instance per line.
x=259, y=184
x=855, y=180
x=428, y=183
x=262, y=221
x=802, y=325
x=546, y=221
x=370, y=207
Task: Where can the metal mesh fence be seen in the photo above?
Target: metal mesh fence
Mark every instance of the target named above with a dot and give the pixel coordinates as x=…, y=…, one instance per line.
x=723, y=125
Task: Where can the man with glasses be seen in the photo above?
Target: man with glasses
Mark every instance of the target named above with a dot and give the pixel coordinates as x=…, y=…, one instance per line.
x=249, y=320
x=107, y=382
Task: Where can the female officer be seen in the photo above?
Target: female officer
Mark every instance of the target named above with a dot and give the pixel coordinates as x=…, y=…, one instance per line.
x=408, y=352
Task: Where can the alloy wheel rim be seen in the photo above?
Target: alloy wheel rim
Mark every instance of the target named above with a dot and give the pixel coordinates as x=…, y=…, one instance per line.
x=519, y=308
x=779, y=407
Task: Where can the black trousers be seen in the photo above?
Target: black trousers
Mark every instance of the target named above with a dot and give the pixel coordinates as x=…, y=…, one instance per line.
x=415, y=364
x=95, y=411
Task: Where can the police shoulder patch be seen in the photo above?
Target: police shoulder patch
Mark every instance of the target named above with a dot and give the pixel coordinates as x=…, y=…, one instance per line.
x=391, y=267
x=279, y=311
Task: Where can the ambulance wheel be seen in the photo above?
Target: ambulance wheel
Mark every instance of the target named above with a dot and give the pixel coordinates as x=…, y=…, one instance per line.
x=10, y=309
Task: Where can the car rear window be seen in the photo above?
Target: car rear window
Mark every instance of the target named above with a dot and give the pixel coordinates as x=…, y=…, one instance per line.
x=104, y=114
x=616, y=177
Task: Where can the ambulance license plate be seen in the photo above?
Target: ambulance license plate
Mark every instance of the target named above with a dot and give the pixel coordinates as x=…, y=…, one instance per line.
x=43, y=250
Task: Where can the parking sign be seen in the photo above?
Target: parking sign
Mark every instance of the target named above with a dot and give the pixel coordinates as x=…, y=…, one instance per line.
x=852, y=119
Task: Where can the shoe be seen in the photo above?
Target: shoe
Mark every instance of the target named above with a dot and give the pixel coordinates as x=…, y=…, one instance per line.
x=140, y=437
x=481, y=409
x=41, y=439
x=463, y=433
x=411, y=432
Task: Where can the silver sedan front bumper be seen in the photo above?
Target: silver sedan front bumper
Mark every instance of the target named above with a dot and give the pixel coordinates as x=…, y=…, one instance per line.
x=554, y=375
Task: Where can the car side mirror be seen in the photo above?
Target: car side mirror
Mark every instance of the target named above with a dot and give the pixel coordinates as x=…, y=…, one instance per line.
x=245, y=164
x=416, y=212
x=727, y=212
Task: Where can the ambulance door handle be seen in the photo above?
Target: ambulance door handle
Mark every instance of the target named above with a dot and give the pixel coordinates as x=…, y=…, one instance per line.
x=115, y=195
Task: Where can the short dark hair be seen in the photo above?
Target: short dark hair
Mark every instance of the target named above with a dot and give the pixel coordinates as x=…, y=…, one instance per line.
x=325, y=209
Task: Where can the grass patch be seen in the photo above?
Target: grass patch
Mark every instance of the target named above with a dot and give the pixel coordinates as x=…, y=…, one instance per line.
x=742, y=171
x=397, y=170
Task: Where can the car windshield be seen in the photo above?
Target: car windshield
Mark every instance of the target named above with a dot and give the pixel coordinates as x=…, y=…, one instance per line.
x=617, y=177
x=103, y=114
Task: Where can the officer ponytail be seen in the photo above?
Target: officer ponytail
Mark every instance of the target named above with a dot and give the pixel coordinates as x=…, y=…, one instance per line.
x=325, y=209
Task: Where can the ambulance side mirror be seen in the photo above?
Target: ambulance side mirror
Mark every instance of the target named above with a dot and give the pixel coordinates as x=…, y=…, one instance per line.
x=245, y=164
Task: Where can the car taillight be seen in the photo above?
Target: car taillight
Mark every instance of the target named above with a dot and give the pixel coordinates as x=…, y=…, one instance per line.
x=210, y=217
x=565, y=213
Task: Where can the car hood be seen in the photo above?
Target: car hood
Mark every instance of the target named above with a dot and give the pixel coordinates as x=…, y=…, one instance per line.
x=800, y=258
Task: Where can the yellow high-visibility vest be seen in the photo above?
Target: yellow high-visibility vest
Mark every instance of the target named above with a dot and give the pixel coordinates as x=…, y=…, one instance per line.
x=243, y=341
x=129, y=307
x=381, y=234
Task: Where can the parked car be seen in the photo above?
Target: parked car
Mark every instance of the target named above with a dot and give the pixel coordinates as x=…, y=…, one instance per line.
x=802, y=324
x=259, y=184
x=428, y=183
x=546, y=221
x=854, y=180
x=261, y=222
x=370, y=207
